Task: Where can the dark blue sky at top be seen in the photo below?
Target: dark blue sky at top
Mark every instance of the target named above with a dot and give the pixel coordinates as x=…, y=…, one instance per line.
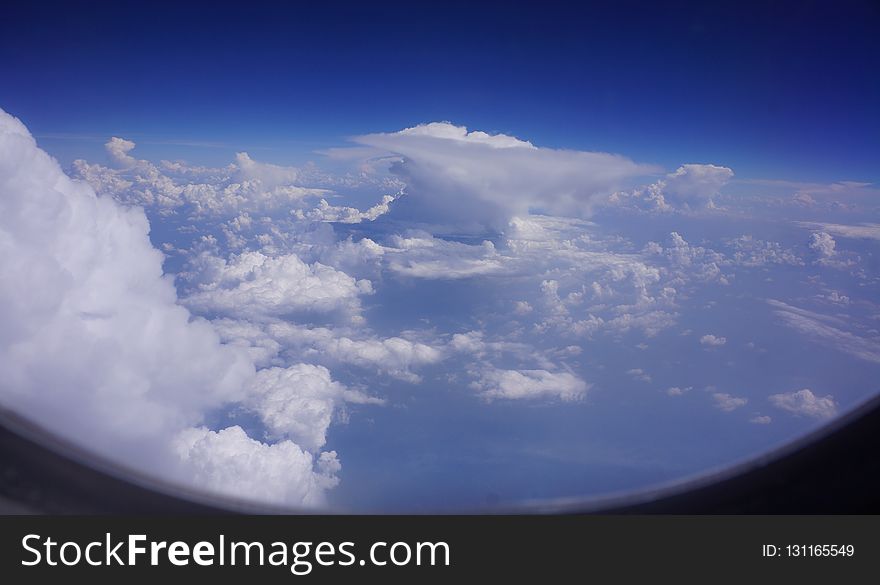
x=783, y=91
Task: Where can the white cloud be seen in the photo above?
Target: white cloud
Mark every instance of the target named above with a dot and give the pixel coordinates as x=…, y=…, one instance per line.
x=394, y=356
x=118, y=149
x=712, y=340
x=271, y=341
x=828, y=331
x=421, y=255
x=326, y=212
x=825, y=247
x=269, y=175
x=867, y=231
x=95, y=347
x=752, y=252
x=245, y=185
x=691, y=262
x=727, y=402
x=255, y=285
x=836, y=297
x=677, y=391
x=760, y=420
x=639, y=374
x=823, y=244
x=691, y=186
x=805, y=403
x=297, y=402
x=468, y=181
x=696, y=184
x=495, y=383
x=228, y=462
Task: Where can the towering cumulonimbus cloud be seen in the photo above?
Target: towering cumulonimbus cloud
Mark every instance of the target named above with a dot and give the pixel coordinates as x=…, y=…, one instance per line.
x=469, y=181
x=95, y=348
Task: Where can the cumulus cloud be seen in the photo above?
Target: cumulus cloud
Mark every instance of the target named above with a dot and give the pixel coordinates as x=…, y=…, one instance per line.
x=395, y=356
x=228, y=462
x=691, y=186
x=752, y=252
x=495, y=383
x=256, y=285
x=823, y=244
x=712, y=340
x=420, y=255
x=471, y=181
x=805, y=403
x=95, y=347
x=297, y=402
x=696, y=184
x=118, y=150
x=825, y=248
x=269, y=175
x=245, y=185
x=639, y=374
x=341, y=214
x=727, y=402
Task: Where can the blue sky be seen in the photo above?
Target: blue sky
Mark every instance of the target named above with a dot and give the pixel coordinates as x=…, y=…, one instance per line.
x=425, y=256
x=787, y=91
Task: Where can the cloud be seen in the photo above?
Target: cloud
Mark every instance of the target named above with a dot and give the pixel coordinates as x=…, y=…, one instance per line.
x=256, y=285
x=269, y=175
x=421, y=255
x=326, y=212
x=752, y=252
x=394, y=356
x=696, y=184
x=727, y=402
x=691, y=186
x=805, y=403
x=639, y=374
x=472, y=181
x=245, y=185
x=760, y=420
x=828, y=331
x=118, y=149
x=825, y=247
x=677, y=391
x=712, y=340
x=297, y=402
x=692, y=262
x=823, y=244
x=867, y=231
x=228, y=462
x=495, y=383
x=95, y=347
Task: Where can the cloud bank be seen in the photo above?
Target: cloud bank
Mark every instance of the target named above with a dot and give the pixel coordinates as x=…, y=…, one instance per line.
x=92, y=326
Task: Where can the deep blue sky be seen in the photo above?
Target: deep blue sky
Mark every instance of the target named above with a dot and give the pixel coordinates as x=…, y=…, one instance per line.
x=788, y=91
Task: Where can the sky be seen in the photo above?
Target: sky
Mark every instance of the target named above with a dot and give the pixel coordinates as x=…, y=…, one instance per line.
x=437, y=257
x=785, y=91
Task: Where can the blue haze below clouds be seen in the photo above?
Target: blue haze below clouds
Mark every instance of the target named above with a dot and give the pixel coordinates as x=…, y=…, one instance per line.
x=627, y=434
